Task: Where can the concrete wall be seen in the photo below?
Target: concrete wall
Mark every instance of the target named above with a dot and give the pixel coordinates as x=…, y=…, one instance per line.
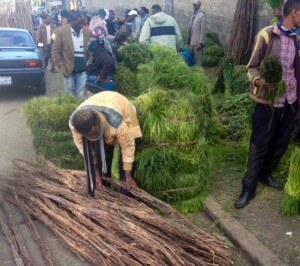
x=220, y=13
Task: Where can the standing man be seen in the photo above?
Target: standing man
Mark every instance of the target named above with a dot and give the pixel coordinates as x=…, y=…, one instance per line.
x=196, y=33
x=44, y=33
x=136, y=22
x=273, y=120
x=70, y=53
x=161, y=29
x=110, y=23
x=144, y=13
x=105, y=119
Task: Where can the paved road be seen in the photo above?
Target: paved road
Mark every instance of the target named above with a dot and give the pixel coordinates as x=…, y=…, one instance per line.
x=16, y=142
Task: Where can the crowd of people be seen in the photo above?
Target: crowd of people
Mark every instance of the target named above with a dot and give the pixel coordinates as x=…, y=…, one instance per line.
x=84, y=47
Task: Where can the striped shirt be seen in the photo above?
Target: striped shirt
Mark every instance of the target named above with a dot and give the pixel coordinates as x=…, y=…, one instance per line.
x=287, y=59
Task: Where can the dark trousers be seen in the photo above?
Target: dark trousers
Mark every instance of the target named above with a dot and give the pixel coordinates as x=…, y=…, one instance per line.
x=271, y=133
x=48, y=57
x=109, y=153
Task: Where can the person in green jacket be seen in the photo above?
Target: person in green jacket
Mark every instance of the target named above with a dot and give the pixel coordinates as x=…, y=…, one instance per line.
x=161, y=29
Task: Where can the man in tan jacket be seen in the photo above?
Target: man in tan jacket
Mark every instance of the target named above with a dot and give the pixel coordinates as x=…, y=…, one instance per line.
x=196, y=32
x=69, y=53
x=44, y=33
x=105, y=119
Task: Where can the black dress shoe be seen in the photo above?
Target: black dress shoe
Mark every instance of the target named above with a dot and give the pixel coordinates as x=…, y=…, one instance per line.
x=244, y=199
x=269, y=181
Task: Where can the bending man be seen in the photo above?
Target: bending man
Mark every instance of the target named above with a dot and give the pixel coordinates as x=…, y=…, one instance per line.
x=105, y=119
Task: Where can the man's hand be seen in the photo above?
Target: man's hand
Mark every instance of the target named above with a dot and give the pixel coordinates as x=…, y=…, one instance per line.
x=99, y=183
x=130, y=183
x=199, y=46
x=259, y=83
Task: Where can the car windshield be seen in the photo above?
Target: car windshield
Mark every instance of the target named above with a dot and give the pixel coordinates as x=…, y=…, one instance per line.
x=16, y=39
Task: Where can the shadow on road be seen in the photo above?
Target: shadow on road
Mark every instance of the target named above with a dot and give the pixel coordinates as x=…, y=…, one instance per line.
x=14, y=94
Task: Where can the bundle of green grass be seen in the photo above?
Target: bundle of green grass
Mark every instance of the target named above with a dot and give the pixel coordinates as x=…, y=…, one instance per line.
x=235, y=114
x=213, y=51
x=48, y=120
x=133, y=55
x=173, y=163
x=291, y=199
x=232, y=79
x=169, y=71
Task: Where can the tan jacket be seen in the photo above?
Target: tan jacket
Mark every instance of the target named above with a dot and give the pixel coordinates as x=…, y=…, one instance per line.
x=63, y=48
x=41, y=36
x=267, y=43
x=197, y=29
x=121, y=123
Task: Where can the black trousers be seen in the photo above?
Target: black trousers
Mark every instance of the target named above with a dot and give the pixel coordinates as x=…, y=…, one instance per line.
x=109, y=153
x=271, y=133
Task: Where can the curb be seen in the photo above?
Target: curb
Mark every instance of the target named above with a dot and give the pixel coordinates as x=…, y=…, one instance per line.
x=239, y=235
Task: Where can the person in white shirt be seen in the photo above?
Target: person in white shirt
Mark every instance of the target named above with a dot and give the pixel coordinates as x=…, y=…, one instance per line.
x=44, y=33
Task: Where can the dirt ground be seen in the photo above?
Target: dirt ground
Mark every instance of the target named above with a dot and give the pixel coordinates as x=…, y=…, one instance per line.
x=263, y=216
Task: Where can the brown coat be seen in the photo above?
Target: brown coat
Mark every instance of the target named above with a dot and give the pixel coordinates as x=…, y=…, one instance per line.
x=120, y=120
x=63, y=48
x=197, y=29
x=41, y=36
x=267, y=43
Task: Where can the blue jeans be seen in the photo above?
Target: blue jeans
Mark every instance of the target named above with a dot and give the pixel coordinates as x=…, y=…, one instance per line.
x=75, y=85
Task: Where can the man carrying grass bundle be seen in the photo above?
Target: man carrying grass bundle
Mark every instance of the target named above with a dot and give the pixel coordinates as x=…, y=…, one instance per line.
x=105, y=119
x=273, y=118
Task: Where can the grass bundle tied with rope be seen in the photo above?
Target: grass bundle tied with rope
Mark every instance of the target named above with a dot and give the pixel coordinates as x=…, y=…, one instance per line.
x=173, y=163
x=48, y=121
x=271, y=71
x=109, y=229
x=291, y=199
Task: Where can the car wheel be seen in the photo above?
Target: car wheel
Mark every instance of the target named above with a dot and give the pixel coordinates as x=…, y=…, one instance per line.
x=41, y=88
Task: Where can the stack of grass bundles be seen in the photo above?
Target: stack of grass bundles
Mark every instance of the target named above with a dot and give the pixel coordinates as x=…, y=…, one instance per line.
x=133, y=55
x=48, y=121
x=291, y=200
x=169, y=71
x=173, y=163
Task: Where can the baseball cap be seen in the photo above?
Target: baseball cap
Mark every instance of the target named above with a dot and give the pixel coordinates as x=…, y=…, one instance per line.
x=197, y=3
x=132, y=12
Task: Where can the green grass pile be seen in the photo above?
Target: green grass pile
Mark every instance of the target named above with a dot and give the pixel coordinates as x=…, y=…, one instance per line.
x=169, y=71
x=213, y=51
x=127, y=81
x=234, y=113
x=291, y=200
x=173, y=163
x=134, y=54
x=232, y=79
x=48, y=120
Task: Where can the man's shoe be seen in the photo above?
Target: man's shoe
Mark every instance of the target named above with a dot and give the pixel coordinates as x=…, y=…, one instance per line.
x=244, y=199
x=269, y=181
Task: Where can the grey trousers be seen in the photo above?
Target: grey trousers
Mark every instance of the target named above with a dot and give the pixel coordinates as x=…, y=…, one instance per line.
x=197, y=55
